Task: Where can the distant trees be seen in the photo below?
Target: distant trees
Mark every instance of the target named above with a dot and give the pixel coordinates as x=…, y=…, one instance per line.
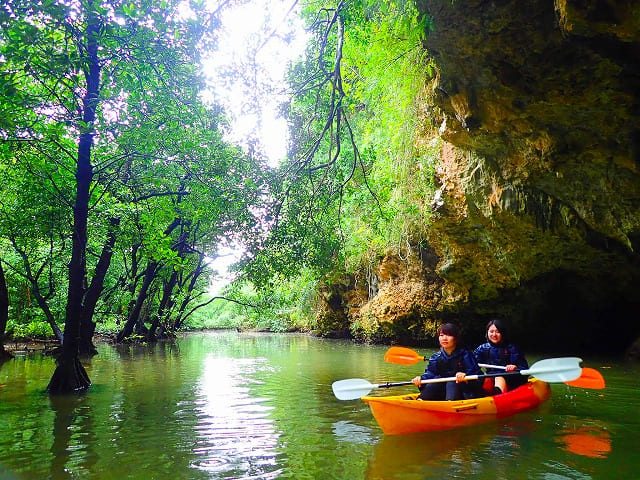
x=117, y=179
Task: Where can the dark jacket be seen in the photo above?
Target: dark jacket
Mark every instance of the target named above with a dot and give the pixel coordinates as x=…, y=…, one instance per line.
x=500, y=354
x=443, y=365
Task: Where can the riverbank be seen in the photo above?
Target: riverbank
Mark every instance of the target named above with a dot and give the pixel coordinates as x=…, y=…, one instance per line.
x=17, y=347
x=44, y=345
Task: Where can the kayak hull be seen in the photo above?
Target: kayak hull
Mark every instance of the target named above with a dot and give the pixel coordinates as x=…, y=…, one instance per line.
x=403, y=414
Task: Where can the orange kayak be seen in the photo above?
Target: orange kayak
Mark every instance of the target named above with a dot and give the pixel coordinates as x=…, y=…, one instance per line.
x=403, y=414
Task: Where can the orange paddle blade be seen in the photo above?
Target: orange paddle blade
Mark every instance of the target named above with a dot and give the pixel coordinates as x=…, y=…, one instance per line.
x=590, y=378
x=403, y=356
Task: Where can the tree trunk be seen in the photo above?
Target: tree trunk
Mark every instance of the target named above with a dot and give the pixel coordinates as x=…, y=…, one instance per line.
x=4, y=313
x=149, y=276
x=69, y=375
x=181, y=315
x=165, y=304
x=44, y=306
x=143, y=294
x=87, y=325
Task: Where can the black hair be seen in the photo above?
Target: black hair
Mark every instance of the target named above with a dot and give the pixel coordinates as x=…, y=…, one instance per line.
x=450, y=329
x=501, y=328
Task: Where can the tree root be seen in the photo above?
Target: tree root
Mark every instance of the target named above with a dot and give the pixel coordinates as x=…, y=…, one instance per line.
x=70, y=376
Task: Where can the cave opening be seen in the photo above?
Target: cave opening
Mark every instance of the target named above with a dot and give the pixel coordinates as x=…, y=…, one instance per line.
x=566, y=313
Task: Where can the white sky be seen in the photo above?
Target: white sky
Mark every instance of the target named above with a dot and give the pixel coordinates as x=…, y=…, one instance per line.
x=257, y=42
x=227, y=256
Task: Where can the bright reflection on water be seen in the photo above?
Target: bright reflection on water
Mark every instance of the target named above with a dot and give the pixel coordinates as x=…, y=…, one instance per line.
x=223, y=405
x=235, y=433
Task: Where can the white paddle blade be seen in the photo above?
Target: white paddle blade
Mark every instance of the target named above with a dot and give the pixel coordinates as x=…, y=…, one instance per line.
x=552, y=370
x=351, y=388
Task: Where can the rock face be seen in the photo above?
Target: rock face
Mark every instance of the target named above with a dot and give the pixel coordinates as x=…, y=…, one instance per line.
x=537, y=218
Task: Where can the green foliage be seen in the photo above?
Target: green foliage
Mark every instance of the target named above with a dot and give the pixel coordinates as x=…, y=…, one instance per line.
x=357, y=182
x=163, y=181
x=281, y=306
x=387, y=79
x=107, y=325
x=359, y=177
x=28, y=331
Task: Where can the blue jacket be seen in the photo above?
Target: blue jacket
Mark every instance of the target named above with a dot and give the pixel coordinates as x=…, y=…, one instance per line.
x=501, y=354
x=443, y=365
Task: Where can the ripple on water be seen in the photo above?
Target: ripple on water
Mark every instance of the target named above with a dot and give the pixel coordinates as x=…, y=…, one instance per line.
x=235, y=434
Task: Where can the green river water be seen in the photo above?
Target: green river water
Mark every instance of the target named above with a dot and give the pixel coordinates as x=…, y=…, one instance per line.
x=227, y=405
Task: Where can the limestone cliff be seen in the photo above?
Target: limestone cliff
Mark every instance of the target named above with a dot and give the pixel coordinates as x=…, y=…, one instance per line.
x=537, y=218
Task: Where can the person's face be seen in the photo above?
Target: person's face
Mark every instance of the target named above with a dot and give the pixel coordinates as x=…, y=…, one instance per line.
x=448, y=342
x=494, y=334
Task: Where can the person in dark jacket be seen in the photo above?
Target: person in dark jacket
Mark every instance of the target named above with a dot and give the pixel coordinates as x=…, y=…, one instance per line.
x=499, y=351
x=452, y=360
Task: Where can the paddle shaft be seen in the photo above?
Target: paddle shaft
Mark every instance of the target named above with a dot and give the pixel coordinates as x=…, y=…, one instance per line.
x=497, y=367
x=404, y=355
x=468, y=377
x=531, y=371
x=589, y=377
x=445, y=379
x=472, y=377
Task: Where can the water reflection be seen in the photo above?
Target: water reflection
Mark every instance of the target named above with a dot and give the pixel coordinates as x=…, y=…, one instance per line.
x=235, y=434
x=417, y=455
x=590, y=439
x=490, y=451
x=73, y=436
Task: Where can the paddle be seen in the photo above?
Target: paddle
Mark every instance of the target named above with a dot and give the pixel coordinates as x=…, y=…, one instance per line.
x=552, y=370
x=589, y=378
x=403, y=356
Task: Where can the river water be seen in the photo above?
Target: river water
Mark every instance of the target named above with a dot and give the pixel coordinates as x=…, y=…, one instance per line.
x=227, y=405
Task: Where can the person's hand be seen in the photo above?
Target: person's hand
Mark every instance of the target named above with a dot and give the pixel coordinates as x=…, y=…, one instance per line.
x=511, y=368
x=417, y=381
x=460, y=377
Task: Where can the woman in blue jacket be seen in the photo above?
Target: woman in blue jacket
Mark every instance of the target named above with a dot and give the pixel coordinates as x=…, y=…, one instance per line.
x=452, y=360
x=499, y=351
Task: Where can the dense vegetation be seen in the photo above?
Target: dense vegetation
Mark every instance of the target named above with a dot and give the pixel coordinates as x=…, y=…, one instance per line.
x=356, y=178
x=119, y=185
